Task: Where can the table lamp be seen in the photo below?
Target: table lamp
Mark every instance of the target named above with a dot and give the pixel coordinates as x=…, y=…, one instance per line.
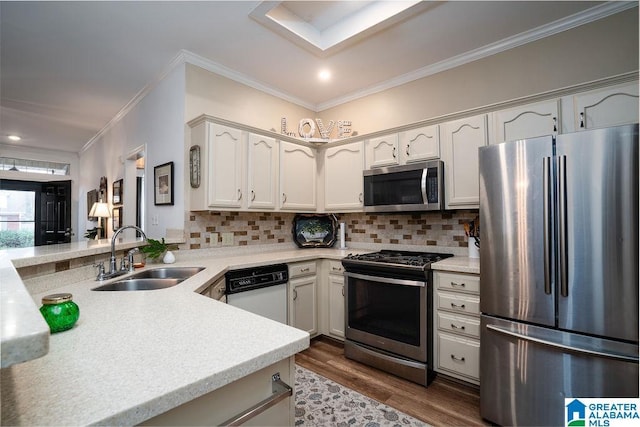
x=100, y=210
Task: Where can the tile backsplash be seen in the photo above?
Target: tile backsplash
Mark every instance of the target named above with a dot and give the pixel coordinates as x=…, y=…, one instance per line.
x=258, y=228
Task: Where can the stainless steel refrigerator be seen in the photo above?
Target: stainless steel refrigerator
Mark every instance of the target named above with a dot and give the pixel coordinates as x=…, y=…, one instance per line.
x=558, y=273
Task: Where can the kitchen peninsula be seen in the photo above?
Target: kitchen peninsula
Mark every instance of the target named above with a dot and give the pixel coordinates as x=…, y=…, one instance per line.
x=135, y=355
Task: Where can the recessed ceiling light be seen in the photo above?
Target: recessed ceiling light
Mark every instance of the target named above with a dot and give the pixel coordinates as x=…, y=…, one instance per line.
x=324, y=75
x=14, y=138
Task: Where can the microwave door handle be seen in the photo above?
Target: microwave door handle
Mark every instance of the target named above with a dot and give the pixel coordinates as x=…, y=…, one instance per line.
x=423, y=186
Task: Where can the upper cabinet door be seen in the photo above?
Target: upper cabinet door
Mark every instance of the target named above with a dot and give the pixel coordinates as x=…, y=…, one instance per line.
x=343, y=167
x=225, y=163
x=526, y=121
x=263, y=172
x=382, y=151
x=461, y=140
x=297, y=177
x=419, y=144
x=611, y=106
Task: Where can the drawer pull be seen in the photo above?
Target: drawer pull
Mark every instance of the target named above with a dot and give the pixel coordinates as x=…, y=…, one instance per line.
x=461, y=306
x=336, y=268
x=304, y=270
x=457, y=327
x=459, y=359
x=462, y=285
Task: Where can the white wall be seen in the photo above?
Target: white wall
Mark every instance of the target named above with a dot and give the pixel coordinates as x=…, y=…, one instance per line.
x=601, y=49
x=215, y=95
x=157, y=123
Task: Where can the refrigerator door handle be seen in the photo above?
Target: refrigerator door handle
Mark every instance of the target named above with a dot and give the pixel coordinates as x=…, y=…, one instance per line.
x=565, y=347
x=546, y=208
x=562, y=225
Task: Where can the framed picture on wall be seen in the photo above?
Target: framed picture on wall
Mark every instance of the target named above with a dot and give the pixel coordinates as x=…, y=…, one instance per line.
x=163, y=184
x=117, y=192
x=92, y=197
x=102, y=191
x=116, y=217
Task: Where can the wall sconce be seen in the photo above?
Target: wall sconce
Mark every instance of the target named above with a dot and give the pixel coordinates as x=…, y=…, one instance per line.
x=101, y=211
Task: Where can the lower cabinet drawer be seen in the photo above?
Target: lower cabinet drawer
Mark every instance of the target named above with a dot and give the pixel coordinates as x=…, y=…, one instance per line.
x=465, y=325
x=459, y=355
x=455, y=302
x=302, y=269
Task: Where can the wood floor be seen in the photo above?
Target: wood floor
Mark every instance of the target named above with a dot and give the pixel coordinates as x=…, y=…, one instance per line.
x=443, y=403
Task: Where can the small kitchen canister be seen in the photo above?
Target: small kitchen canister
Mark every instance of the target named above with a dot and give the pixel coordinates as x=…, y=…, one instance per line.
x=60, y=312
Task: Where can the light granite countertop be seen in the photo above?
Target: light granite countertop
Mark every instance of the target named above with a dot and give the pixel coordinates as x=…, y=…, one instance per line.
x=24, y=334
x=458, y=264
x=134, y=355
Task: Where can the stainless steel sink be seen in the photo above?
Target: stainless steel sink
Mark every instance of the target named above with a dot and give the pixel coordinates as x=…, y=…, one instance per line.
x=168, y=273
x=148, y=280
x=138, y=285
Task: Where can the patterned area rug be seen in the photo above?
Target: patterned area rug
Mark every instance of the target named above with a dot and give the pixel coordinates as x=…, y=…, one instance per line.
x=322, y=402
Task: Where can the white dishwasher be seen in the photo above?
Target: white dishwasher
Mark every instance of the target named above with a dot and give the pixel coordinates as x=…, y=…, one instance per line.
x=259, y=290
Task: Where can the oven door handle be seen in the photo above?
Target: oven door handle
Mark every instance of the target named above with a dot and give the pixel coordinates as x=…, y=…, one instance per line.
x=387, y=280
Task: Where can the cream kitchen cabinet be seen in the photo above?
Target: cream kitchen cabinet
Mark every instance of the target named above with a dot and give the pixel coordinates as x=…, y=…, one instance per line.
x=302, y=296
x=336, y=299
x=526, y=121
x=225, y=404
x=262, y=179
x=610, y=106
x=461, y=140
x=343, y=181
x=416, y=145
x=297, y=177
x=382, y=151
x=222, y=166
x=457, y=325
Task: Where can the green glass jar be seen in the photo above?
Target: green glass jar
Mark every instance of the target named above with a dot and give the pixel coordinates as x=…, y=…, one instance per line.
x=60, y=312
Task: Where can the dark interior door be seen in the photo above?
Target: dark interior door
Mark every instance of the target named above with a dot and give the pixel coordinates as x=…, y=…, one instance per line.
x=54, y=223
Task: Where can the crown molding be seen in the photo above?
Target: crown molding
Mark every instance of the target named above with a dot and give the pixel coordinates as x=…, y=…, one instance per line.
x=177, y=61
x=184, y=56
x=214, y=67
x=590, y=15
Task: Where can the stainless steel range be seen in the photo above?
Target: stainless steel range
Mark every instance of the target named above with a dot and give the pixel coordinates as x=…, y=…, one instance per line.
x=388, y=312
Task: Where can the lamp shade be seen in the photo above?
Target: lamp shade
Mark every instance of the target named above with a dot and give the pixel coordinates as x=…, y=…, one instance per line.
x=100, y=210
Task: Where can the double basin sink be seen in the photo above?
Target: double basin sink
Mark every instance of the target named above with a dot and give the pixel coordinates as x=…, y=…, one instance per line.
x=149, y=280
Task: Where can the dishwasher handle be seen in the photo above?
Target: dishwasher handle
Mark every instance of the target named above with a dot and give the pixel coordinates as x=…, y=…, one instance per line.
x=280, y=391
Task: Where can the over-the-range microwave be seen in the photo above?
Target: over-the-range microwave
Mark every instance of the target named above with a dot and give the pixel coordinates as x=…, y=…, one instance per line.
x=407, y=188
